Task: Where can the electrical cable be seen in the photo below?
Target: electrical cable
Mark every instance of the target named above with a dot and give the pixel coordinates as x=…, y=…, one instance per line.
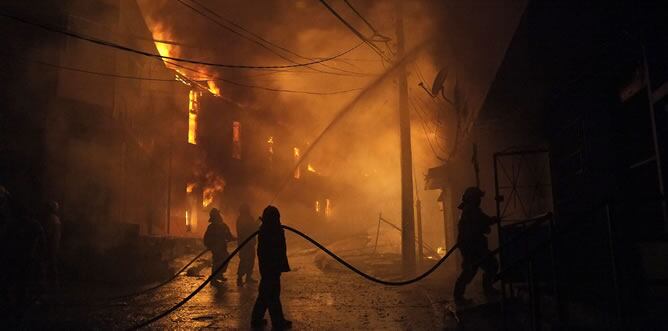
x=375, y=32
x=261, y=87
x=158, y=56
x=355, y=31
x=102, y=74
x=261, y=44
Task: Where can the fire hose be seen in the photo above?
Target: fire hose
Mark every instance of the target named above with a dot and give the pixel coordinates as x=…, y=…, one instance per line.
x=162, y=283
x=312, y=241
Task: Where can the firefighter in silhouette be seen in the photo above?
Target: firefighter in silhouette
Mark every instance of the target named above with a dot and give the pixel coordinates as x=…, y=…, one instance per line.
x=216, y=237
x=246, y=225
x=273, y=260
x=474, y=224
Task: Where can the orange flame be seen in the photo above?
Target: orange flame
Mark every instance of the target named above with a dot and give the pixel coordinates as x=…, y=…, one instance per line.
x=328, y=208
x=296, y=155
x=190, y=187
x=193, y=109
x=214, y=186
x=213, y=88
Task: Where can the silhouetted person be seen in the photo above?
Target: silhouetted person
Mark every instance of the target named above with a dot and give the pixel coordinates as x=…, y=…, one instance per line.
x=472, y=239
x=216, y=237
x=273, y=260
x=52, y=232
x=246, y=225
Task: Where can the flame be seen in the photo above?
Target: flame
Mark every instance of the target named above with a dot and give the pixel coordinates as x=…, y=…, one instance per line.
x=193, y=109
x=270, y=142
x=162, y=33
x=310, y=168
x=328, y=208
x=213, y=88
x=214, y=186
x=190, y=187
x=296, y=155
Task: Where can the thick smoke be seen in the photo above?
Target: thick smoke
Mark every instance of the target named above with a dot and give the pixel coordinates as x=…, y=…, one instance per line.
x=361, y=155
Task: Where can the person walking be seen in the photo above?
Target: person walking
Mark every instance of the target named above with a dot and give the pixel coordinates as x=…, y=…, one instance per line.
x=474, y=225
x=273, y=261
x=216, y=237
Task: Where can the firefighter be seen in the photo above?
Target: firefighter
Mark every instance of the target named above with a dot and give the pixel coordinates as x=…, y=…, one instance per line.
x=52, y=231
x=272, y=260
x=246, y=226
x=216, y=237
x=474, y=224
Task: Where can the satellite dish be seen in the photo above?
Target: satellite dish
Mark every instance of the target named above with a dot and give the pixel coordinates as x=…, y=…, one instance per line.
x=439, y=81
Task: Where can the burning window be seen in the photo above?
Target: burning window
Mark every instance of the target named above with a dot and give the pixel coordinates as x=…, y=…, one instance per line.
x=236, y=140
x=328, y=208
x=188, y=222
x=193, y=109
x=296, y=156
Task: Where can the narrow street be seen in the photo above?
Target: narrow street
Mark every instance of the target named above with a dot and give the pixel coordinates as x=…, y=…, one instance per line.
x=317, y=295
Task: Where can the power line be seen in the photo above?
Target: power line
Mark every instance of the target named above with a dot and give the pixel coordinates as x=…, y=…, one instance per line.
x=375, y=32
x=259, y=40
x=172, y=80
x=426, y=133
x=149, y=54
x=355, y=31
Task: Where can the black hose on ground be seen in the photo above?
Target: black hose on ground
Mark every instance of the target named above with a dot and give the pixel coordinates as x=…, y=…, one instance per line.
x=314, y=242
x=129, y=295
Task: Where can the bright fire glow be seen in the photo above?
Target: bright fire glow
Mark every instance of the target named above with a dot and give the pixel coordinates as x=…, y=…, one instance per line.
x=310, y=168
x=317, y=206
x=328, y=208
x=213, y=88
x=270, y=143
x=214, y=186
x=193, y=109
x=190, y=187
x=296, y=155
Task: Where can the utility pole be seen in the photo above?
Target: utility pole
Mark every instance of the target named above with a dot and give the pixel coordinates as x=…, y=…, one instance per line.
x=407, y=212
